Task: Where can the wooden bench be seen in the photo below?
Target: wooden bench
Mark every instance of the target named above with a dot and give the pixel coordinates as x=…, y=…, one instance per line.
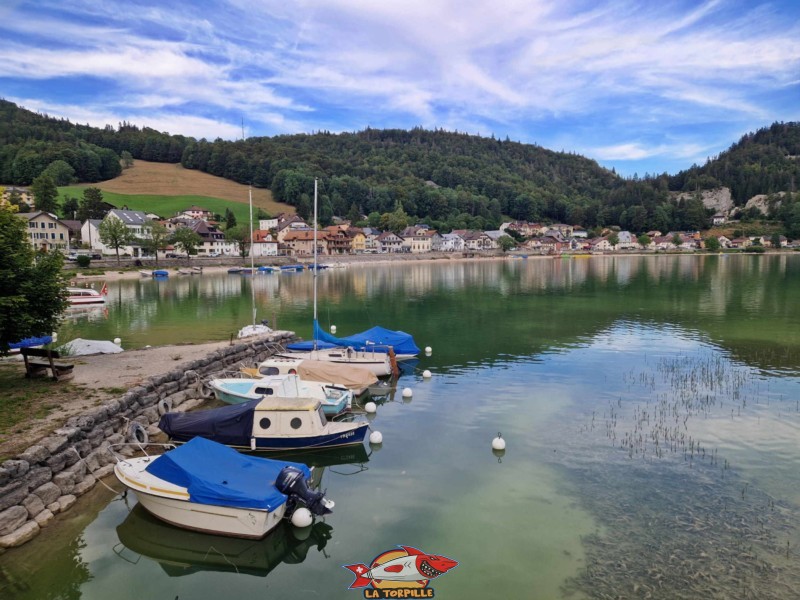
x=38, y=360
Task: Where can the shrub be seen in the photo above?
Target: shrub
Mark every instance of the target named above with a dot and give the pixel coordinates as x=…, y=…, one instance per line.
x=83, y=261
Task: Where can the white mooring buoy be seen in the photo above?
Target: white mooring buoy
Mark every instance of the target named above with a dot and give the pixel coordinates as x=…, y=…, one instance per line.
x=370, y=407
x=407, y=393
x=498, y=443
x=333, y=328
x=376, y=437
x=426, y=374
x=428, y=349
x=117, y=341
x=302, y=517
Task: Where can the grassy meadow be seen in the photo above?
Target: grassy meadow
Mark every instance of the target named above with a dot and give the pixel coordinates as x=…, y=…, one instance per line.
x=166, y=189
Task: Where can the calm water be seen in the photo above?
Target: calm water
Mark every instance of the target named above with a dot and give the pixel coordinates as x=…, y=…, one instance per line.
x=651, y=408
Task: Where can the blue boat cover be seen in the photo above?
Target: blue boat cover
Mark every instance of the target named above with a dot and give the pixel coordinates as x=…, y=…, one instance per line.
x=403, y=343
x=32, y=341
x=218, y=475
x=231, y=425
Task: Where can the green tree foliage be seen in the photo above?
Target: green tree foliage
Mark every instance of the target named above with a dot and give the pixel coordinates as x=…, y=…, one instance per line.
x=240, y=236
x=70, y=208
x=187, y=240
x=506, y=243
x=613, y=239
x=32, y=292
x=644, y=240
x=92, y=205
x=61, y=172
x=45, y=193
x=115, y=234
x=230, y=219
x=712, y=244
x=155, y=238
x=127, y=159
x=677, y=240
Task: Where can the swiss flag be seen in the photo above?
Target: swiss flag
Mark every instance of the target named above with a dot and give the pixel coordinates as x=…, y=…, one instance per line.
x=104, y=289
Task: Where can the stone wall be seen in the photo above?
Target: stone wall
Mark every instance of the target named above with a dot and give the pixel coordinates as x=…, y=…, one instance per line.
x=48, y=477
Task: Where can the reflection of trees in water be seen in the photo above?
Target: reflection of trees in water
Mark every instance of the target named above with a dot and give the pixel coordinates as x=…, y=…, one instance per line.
x=54, y=571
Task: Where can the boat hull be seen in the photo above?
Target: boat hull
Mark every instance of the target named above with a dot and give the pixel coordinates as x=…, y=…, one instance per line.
x=171, y=505
x=375, y=362
x=331, y=440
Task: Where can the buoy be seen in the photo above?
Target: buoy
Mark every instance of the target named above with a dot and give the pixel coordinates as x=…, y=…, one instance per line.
x=376, y=437
x=499, y=454
x=137, y=433
x=407, y=393
x=426, y=374
x=498, y=443
x=302, y=517
x=428, y=349
x=333, y=328
x=370, y=407
x=117, y=341
x=164, y=406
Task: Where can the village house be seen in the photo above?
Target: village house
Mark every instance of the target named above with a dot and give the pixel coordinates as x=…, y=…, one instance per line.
x=389, y=242
x=300, y=242
x=339, y=242
x=46, y=231
x=370, y=239
x=134, y=220
x=358, y=241
x=196, y=212
x=292, y=223
x=263, y=244
x=449, y=242
x=416, y=239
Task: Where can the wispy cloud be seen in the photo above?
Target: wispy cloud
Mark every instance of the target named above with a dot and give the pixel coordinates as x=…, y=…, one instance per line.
x=631, y=76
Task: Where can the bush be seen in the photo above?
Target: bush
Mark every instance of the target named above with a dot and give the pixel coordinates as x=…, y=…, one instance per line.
x=757, y=249
x=83, y=261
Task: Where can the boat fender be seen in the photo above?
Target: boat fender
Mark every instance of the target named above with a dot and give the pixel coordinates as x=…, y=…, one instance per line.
x=292, y=371
x=204, y=390
x=164, y=406
x=137, y=433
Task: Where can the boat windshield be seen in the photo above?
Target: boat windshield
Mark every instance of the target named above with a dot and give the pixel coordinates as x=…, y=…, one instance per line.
x=322, y=416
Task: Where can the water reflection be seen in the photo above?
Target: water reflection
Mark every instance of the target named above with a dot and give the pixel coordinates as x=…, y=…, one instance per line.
x=181, y=552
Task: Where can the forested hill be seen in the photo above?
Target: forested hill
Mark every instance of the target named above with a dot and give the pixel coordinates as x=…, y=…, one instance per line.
x=30, y=142
x=764, y=162
x=449, y=180
x=440, y=175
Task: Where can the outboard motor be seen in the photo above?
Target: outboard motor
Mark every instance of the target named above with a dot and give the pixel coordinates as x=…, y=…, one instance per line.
x=290, y=481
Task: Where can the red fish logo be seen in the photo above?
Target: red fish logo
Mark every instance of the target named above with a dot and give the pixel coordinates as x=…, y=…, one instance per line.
x=404, y=568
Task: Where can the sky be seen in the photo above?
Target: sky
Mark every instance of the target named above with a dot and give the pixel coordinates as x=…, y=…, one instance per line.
x=641, y=87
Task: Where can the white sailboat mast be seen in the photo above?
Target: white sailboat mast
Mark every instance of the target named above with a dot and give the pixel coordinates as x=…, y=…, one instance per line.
x=316, y=270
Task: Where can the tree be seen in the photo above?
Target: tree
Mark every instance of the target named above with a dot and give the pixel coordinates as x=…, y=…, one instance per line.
x=186, y=239
x=45, y=193
x=239, y=236
x=506, y=243
x=354, y=215
x=775, y=240
x=127, y=159
x=92, y=205
x=677, y=240
x=32, y=291
x=644, y=240
x=115, y=234
x=230, y=219
x=712, y=244
x=69, y=207
x=60, y=171
x=155, y=237
x=613, y=240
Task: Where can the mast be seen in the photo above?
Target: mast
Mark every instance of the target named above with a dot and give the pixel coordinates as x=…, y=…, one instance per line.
x=252, y=257
x=316, y=270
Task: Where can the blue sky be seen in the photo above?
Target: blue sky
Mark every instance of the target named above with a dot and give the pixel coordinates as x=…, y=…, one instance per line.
x=644, y=87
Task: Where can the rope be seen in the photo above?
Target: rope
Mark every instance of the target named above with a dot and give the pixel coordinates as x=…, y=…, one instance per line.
x=103, y=483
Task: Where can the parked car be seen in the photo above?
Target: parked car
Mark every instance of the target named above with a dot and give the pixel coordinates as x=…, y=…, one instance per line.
x=214, y=254
x=173, y=255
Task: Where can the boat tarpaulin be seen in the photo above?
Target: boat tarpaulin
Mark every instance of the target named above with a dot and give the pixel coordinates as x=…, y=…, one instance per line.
x=217, y=475
x=231, y=425
x=376, y=339
x=31, y=341
x=338, y=373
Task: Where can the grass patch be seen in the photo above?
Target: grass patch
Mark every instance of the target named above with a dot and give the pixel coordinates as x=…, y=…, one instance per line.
x=25, y=399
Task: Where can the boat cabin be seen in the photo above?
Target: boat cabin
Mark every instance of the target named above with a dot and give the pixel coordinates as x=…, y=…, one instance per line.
x=288, y=417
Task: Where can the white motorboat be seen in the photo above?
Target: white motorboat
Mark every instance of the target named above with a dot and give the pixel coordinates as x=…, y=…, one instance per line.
x=382, y=364
x=79, y=296
x=356, y=379
x=205, y=486
x=235, y=390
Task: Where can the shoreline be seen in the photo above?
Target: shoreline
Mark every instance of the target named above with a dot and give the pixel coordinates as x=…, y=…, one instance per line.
x=113, y=272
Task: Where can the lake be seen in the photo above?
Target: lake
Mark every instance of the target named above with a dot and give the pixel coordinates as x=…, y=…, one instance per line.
x=650, y=406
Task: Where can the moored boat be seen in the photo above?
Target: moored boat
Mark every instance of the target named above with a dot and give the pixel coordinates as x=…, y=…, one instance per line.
x=160, y=273
x=268, y=424
x=203, y=485
x=356, y=379
x=235, y=390
x=79, y=296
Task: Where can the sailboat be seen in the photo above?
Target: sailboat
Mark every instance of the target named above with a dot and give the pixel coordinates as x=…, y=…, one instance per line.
x=254, y=328
x=378, y=359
